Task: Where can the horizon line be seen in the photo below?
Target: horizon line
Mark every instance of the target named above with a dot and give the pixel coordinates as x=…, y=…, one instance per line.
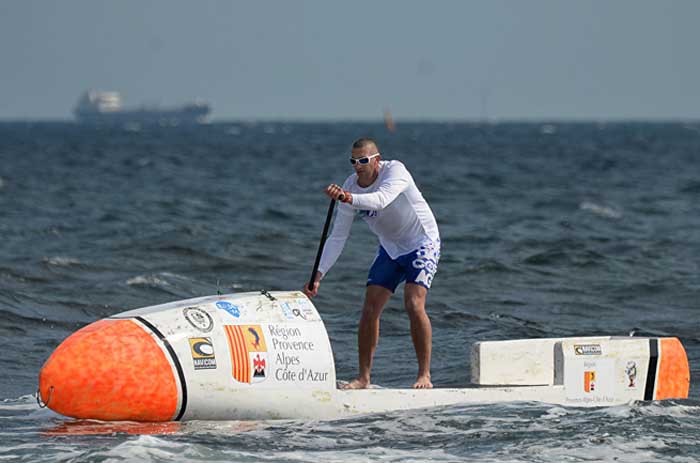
x=426, y=120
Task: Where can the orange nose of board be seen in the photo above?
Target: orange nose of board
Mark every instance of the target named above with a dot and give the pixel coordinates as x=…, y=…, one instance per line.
x=674, y=372
x=110, y=370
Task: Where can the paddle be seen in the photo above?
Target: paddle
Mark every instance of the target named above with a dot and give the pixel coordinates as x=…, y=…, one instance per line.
x=324, y=235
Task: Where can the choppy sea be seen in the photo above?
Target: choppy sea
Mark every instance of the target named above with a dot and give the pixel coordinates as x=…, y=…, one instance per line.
x=548, y=229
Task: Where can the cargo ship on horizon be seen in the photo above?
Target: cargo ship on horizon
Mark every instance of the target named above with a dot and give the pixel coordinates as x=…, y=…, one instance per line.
x=101, y=107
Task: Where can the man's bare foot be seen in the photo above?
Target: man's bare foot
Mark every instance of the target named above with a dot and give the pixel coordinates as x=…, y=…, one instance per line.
x=358, y=383
x=423, y=382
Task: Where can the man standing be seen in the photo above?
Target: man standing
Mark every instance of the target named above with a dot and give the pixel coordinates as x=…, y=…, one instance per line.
x=384, y=194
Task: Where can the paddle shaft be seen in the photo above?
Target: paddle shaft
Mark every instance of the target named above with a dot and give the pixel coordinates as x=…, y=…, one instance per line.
x=324, y=235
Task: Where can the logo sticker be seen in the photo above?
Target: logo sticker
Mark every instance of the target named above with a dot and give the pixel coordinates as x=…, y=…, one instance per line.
x=199, y=319
x=248, y=352
x=287, y=310
x=259, y=364
x=307, y=310
x=202, y=353
x=631, y=373
x=587, y=349
x=232, y=309
x=589, y=381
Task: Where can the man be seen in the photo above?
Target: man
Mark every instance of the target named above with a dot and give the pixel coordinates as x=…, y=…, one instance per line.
x=384, y=194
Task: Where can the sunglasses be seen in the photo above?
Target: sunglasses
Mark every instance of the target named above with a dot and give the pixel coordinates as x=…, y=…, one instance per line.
x=363, y=160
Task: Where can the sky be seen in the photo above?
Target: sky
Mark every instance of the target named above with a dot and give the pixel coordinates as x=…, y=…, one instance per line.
x=350, y=60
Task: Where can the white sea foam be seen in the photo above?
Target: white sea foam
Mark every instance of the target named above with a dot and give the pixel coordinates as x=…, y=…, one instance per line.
x=603, y=211
x=132, y=127
x=675, y=410
x=148, y=448
x=484, y=433
x=548, y=129
x=161, y=280
x=21, y=404
x=146, y=280
x=59, y=261
x=556, y=412
x=620, y=411
x=40, y=453
x=362, y=455
x=144, y=162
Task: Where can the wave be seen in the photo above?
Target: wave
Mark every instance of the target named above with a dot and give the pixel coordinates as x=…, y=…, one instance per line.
x=177, y=286
x=600, y=210
x=489, y=266
x=692, y=187
x=58, y=261
x=571, y=256
x=511, y=432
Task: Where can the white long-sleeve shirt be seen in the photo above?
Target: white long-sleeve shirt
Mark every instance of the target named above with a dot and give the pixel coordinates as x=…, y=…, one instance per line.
x=394, y=209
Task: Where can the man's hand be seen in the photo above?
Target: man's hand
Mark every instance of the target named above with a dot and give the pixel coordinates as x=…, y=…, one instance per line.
x=314, y=291
x=335, y=192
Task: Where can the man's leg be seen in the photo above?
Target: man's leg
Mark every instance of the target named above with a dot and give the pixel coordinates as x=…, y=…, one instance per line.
x=421, y=331
x=376, y=298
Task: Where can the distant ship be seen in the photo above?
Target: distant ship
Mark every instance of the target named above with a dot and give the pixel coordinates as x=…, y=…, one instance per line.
x=97, y=107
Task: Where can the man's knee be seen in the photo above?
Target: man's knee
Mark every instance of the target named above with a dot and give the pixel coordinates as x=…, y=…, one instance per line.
x=371, y=310
x=414, y=300
x=375, y=300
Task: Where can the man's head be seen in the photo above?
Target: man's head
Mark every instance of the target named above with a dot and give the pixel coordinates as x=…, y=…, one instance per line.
x=365, y=156
x=363, y=142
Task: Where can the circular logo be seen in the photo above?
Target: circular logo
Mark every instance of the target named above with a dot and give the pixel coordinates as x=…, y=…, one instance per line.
x=203, y=347
x=199, y=319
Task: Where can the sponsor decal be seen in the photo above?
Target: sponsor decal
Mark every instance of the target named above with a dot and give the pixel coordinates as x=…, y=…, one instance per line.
x=199, y=319
x=367, y=214
x=232, y=309
x=589, y=380
x=202, y=353
x=297, y=309
x=287, y=310
x=631, y=373
x=307, y=310
x=248, y=352
x=291, y=347
x=259, y=364
x=587, y=349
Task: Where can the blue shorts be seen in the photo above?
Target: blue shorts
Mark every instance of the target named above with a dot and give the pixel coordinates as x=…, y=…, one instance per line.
x=417, y=267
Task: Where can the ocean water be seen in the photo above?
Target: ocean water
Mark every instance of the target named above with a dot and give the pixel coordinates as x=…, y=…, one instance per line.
x=548, y=230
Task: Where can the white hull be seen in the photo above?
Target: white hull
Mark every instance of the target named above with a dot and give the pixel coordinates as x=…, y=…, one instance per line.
x=268, y=356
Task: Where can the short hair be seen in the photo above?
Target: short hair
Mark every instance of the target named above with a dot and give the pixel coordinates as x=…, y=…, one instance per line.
x=363, y=142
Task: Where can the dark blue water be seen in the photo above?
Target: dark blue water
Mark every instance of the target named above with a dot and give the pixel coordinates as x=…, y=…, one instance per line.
x=547, y=230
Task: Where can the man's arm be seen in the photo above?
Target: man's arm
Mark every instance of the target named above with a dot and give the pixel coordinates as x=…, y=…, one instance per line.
x=333, y=247
x=336, y=240
x=394, y=183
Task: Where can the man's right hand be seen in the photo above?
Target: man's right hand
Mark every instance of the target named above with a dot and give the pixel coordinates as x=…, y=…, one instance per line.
x=314, y=288
x=333, y=191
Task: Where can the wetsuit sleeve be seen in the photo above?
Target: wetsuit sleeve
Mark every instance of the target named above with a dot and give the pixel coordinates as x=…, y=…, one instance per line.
x=393, y=184
x=336, y=241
